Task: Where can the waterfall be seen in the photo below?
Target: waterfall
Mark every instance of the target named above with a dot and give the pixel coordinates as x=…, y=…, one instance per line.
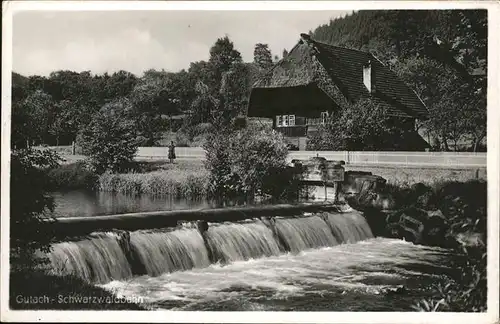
x=161, y=252
x=97, y=259
x=305, y=233
x=234, y=242
x=349, y=227
x=103, y=257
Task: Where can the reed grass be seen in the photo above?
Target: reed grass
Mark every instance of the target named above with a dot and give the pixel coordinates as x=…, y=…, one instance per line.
x=175, y=183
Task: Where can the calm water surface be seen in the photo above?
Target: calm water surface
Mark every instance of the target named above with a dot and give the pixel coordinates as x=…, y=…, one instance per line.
x=89, y=203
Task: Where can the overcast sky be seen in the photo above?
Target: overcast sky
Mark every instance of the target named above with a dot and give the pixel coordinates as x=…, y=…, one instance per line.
x=136, y=41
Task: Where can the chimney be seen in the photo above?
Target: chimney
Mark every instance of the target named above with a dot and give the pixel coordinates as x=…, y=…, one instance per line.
x=367, y=76
x=305, y=38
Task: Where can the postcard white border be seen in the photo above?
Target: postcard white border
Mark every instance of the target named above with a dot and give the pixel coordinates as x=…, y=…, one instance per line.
x=9, y=8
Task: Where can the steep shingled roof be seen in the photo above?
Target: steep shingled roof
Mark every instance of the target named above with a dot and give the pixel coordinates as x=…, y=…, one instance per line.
x=345, y=68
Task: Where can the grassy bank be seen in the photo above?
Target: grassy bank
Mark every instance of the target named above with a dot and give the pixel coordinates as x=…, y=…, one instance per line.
x=186, y=179
x=401, y=175
x=40, y=290
x=183, y=179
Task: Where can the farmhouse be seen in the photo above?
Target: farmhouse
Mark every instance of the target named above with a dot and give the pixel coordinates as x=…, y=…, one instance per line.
x=314, y=80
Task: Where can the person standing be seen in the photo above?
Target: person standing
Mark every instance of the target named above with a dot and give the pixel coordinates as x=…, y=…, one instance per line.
x=171, y=152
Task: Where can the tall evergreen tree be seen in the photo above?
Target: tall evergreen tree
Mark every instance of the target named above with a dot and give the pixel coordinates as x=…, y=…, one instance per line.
x=262, y=56
x=223, y=56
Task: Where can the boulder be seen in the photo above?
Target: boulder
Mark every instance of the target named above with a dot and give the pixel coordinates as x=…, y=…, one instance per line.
x=363, y=190
x=470, y=239
x=435, y=229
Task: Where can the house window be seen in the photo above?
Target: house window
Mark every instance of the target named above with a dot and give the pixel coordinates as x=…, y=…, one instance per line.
x=367, y=76
x=285, y=120
x=324, y=117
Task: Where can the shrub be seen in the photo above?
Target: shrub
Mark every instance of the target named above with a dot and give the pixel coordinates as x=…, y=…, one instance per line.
x=30, y=205
x=248, y=162
x=361, y=126
x=110, y=139
x=72, y=176
x=181, y=139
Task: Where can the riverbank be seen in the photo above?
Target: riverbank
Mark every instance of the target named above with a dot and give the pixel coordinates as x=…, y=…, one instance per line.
x=401, y=175
x=189, y=176
x=449, y=214
x=182, y=179
x=179, y=180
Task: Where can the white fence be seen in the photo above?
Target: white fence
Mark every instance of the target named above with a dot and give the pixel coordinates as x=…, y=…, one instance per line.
x=444, y=159
x=158, y=153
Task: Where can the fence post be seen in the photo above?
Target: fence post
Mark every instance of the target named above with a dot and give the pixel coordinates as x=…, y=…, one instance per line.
x=73, y=150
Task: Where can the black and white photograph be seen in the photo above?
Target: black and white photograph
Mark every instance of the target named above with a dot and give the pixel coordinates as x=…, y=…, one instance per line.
x=288, y=162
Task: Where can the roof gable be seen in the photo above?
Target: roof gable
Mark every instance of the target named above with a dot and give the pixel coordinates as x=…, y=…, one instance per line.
x=344, y=68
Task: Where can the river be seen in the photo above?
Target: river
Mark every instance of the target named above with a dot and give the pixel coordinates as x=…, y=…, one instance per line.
x=91, y=203
x=348, y=277
x=328, y=263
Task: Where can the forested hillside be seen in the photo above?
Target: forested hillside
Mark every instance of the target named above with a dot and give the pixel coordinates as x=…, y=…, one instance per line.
x=441, y=54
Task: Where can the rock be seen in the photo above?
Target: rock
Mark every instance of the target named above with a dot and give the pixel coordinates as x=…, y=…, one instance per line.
x=425, y=200
x=470, y=239
x=377, y=220
x=435, y=228
x=400, y=289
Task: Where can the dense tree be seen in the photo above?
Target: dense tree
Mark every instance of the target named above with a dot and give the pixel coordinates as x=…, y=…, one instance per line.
x=262, y=56
x=248, y=162
x=235, y=89
x=223, y=56
x=110, y=139
x=151, y=98
x=362, y=126
x=30, y=206
x=205, y=105
x=38, y=108
x=119, y=85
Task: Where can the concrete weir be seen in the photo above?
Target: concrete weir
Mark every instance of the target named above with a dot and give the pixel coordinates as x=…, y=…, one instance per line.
x=77, y=226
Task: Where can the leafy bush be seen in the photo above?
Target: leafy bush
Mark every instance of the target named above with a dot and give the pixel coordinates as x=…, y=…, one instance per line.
x=110, y=139
x=362, y=126
x=72, y=176
x=181, y=139
x=30, y=206
x=249, y=162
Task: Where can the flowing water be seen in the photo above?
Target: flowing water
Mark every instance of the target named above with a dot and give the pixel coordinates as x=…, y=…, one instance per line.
x=328, y=262
x=99, y=258
x=162, y=252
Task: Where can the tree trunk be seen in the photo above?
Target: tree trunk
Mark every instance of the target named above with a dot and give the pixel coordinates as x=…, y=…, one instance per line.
x=445, y=143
